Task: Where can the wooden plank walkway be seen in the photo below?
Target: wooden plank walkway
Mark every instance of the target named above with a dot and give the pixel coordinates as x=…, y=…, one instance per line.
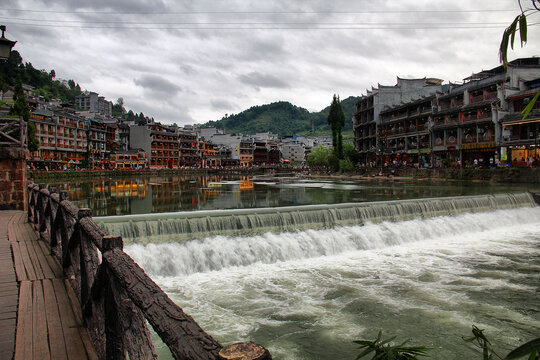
x=40, y=316
x=9, y=291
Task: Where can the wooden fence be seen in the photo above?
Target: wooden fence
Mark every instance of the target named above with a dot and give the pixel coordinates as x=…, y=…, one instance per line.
x=116, y=295
x=12, y=132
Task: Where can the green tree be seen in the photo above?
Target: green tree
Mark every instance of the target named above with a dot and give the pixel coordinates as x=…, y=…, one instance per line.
x=20, y=108
x=336, y=120
x=118, y=109
x=346, y=165
x=350, y=153
x=319, y=156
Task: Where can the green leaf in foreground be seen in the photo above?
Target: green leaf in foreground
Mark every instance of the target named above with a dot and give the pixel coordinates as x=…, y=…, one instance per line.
x=530, y=106
x=528, y=349
x=384, y=350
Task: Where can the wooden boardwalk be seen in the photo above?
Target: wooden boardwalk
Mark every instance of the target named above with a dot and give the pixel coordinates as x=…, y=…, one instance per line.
x=40, y=315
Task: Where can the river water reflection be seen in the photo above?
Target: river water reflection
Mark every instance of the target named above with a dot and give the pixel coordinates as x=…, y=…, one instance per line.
x=153, y=194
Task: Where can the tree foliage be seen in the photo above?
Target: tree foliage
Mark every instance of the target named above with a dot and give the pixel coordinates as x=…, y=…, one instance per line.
x=336, y=120
x=44, y=82
x=283, y=118
x=319, y=156
x=21, y=109
x=509, y=36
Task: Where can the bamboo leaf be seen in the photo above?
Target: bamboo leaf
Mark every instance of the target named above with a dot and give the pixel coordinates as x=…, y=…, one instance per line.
x=530, y=106
x=525, y=349
x=503, y=50
x=523, y=29
x=513, y=28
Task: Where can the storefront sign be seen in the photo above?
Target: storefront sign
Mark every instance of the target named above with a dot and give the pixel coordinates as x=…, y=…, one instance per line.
x=504, y=154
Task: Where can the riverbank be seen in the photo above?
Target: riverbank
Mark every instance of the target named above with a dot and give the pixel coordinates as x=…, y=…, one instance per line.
x=496, y=175
x=50, y=176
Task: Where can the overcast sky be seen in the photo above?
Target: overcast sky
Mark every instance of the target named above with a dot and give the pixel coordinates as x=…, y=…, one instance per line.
x=188, y=62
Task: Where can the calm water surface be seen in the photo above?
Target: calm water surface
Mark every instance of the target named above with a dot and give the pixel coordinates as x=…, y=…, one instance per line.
x=115, y=196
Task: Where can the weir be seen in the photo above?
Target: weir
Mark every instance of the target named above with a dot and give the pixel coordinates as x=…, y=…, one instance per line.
x=180, y=226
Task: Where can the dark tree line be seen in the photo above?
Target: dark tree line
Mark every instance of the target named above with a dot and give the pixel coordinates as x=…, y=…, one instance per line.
x=45, y=83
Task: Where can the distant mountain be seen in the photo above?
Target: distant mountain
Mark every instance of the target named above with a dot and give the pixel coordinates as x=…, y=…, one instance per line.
x=283, y=118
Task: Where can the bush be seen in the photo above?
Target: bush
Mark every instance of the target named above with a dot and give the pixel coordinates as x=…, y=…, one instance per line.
x=346, y=165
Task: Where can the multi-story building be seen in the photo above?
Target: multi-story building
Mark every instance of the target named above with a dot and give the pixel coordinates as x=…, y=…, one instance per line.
x=477, y=122
x=520, y=138
x=97, y=144
x=189, y=154
x=159, y=142
x=463, y=128
x=404, y=134
x=112, y=136
x=473, y=120
x=260, y=152
x=246, y=151
x=92, y=103
x=128, y=160
x=265, y=149
x=123, y=136
x=292, y=150
x=366, y=121
x=209, y=154
x=62, y=137
x=232, y=142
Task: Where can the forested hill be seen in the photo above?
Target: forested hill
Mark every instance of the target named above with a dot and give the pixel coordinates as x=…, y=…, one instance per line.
x=283, y=118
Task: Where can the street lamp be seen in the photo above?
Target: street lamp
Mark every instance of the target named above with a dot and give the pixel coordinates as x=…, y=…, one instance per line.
x=5, y=45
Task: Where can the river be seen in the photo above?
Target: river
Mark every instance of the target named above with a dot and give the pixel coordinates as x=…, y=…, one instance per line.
x=309, y=293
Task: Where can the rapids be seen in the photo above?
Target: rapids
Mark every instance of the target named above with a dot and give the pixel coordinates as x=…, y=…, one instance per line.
x=307, y=294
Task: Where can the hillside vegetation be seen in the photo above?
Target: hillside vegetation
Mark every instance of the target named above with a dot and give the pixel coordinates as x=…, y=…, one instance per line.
x=283, y=118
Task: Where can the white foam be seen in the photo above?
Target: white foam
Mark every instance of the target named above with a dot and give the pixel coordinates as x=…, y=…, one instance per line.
x=217, y=253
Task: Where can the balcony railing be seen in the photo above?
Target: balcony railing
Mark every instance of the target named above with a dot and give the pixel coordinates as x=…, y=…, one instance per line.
x=490, y=95
x=476, y=98
x=12, y=132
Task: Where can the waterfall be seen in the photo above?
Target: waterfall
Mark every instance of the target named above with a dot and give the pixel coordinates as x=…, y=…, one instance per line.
x=181, y=226
x=217, y=253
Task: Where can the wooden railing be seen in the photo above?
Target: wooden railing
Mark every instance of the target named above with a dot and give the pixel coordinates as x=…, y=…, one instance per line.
x=116, y=295
x=12, y=132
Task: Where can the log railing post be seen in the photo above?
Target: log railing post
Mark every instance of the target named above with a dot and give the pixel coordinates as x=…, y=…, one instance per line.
x=115, y=347
x=117, y=296
x=87, y=259
x=53, y=229
x=38, y=206
x=29, y=195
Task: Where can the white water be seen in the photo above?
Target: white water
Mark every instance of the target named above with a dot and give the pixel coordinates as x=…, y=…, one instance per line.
x=309, y=294
x=188, y=225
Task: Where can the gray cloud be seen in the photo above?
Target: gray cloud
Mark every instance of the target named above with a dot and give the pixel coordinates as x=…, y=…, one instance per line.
x=157, y=84
x=259, y=80
x=107, y=5
x=141, y=50
x=221, y=104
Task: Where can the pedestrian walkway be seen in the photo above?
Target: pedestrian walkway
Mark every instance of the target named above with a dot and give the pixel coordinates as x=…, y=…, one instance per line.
x=40, y=316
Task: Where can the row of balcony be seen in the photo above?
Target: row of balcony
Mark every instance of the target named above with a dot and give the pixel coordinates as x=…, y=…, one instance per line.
x=409, y=146
x=454, y=120
x=458, y=101
x=402, y=130
x=452, y=140
x=164, y=147
x=406, y=114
